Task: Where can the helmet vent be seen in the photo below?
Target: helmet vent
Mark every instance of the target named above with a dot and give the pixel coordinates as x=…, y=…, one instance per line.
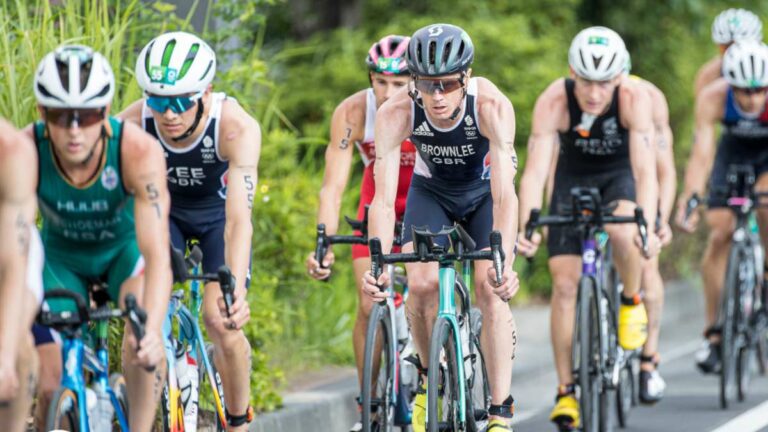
x=85, y=73
x=447, y=53
x=63, y=73
x=613, y=59
x=48, y=94
x=102, y=93
x=432, y=51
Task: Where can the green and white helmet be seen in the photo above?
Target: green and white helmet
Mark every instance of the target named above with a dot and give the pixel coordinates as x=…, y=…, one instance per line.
x=736, y=24
x=175, y=63
x=74, y=76
x=745, y=64
x=597, y=54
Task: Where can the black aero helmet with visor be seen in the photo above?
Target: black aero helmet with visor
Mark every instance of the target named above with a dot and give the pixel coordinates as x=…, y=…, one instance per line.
x=440, y=49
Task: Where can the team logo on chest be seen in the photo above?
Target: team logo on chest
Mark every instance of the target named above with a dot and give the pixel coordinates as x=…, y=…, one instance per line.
x=109, y=178
x=208, y=151
x=607, y=145
x=470, y=130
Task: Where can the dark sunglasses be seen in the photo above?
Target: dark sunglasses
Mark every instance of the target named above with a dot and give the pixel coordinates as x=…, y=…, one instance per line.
x=67, y=117
x=751, y=90
x=177, y=104
x=445, y=86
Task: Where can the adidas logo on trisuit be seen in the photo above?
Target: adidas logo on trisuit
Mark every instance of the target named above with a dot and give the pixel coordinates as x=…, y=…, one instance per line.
x=423, y=130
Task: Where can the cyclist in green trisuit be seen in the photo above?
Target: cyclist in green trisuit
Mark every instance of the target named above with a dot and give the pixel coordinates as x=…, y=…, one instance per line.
x=21, y=270
x=104, y=204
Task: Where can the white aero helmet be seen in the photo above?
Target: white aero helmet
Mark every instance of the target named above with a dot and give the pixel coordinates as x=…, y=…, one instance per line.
x=74, y=76
x=597, y=54
x=745, y=64
x=175, y=63
x=736, y=24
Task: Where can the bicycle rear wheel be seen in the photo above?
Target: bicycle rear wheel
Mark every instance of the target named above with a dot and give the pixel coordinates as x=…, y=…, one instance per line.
x=378, y=373
x=63, y=413
x=585, y=350
x=443, y=403
x=624, y=393
x=728, y=320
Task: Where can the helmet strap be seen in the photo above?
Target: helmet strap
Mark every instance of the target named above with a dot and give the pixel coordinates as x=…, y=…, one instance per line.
x=457, y=111
x=191, y=130
x=414, y=94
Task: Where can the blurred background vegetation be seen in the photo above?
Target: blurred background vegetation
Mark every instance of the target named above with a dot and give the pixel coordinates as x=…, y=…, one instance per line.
x=290, y=62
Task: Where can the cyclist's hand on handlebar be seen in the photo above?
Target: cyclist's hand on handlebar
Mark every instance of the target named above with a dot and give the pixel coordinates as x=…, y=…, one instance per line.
x=665, y=233
x=9, y=381
x=372, y=289
x=239, y=310
x=510, y=283
x=527, y=247
x=654, y=245
x=313, y=267
x=687, y=225
x=150, y=352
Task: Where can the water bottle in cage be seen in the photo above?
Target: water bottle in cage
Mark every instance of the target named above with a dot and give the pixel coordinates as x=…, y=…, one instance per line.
x=189, y=380
x=401, y=323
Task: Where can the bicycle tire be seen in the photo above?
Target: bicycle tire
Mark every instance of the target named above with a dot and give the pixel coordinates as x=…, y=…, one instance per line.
x=442, y=379
x=587, y=334
x=377, y=412
x=167, y=423
x=218, y=420
x=478, y=388
x=118, y=385
x=63, y=413
x=728, y=319
x=745, y=371
x=624, y=395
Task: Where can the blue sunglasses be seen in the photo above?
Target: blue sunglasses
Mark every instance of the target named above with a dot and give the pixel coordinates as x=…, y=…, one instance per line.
x=177, y=104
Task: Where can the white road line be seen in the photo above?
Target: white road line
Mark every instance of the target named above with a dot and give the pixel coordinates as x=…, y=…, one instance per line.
x=750, y=421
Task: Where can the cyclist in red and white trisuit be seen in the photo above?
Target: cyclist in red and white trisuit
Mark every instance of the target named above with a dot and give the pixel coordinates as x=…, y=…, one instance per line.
x=352, y=125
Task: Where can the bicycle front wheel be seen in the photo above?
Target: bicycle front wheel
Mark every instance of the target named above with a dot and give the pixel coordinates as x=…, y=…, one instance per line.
x=728, y=321
x=443, y=402
x=117, y=384
x=378, y=373
x=63, y=413
x=478, y=389
x=585, y=353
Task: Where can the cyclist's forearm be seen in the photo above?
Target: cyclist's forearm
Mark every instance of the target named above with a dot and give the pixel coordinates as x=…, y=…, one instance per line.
x=381, y=222
x=330, y=204
x=11, y=314
x=237, y=247
x=531, y=190
x=157, y=289
x=647, y=193
x=667, y=190
x=505, y=220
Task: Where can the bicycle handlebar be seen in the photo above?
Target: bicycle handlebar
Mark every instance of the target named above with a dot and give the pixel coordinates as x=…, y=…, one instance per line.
x=136, y=316
x=181, y=271
x=437, y=254
x=588, y=219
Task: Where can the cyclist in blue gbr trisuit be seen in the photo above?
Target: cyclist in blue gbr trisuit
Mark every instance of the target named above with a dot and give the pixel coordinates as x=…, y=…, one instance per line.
x=212, y=148
x=21, y=276
x=463, y=129
x=604, y=129
x=103, y=199
x=729, y=26
x=739, y=102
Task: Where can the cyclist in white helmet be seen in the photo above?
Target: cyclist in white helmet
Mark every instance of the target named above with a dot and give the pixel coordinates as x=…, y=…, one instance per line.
x=211, y=147
x=21, y=272
x=739, y=102
x=729, y=26
x=104, y=204
x=605, y=132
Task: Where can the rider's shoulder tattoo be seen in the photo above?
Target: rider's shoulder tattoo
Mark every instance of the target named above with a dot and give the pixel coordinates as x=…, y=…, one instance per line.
x=22, y=234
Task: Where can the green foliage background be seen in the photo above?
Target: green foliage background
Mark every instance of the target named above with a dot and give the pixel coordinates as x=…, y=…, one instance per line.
x=292, y=86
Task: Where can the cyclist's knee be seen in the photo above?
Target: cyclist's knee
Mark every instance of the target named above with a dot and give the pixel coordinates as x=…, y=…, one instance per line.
x=564, y=290
x=719, y=237
x=622, y=237
x=419, y=287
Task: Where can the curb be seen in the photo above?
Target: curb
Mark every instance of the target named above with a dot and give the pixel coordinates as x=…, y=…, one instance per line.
x=331, y=407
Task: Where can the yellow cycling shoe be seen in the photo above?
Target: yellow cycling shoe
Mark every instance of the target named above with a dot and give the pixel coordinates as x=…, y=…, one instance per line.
x=633, y=323
x=419, y=414
x=566, y=412
x=497, y=425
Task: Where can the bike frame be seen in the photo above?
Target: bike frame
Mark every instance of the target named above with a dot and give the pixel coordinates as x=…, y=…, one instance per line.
x=76, y=356
x=191, y=334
